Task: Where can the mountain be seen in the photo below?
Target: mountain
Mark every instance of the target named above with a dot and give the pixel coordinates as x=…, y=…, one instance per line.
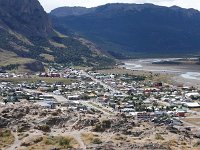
x=28, y=41
x=71, y=11
x=135, y=30
x=25, y=16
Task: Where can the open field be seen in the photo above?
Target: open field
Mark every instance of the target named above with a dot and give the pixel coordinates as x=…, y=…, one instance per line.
x=7, y=58
x=164, y=77
x=35, y=79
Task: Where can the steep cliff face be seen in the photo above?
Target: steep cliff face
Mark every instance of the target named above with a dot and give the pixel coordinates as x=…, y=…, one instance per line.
x=26, y=17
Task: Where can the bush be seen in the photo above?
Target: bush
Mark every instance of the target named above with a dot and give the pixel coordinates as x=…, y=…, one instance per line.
x=37, y=140
x=96, y=141
x=6, y=133
x=106, y=124
x=197, y=144
x=98, y=128
x=44, y=128
x=65, y=142
x=158, y=137
x=49, y=141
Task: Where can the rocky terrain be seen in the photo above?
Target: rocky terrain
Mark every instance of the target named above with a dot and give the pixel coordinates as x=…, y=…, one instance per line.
x=33, y=127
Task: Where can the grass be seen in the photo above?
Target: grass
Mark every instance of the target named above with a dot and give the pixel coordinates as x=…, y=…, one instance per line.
x=47, y=57
x=157, y=77
x=7, y=58
x=60, y=34
x=88, y=138
x=172, y=144
x=120, y=138
x=197, y=144
x=50, y=142
x=96, y=141
x=57, y=44
x=35, y=79
x=195, y=121
x=20, y=37
x=6, y=138
x=159, y=137
x=196, y=109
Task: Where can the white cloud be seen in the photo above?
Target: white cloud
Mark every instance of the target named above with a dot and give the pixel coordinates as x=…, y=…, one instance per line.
x=51, y=4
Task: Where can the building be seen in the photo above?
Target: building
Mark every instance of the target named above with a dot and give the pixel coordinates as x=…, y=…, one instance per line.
x=191, y=105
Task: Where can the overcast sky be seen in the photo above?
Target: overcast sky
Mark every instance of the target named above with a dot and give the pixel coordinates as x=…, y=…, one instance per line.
x=51, y=4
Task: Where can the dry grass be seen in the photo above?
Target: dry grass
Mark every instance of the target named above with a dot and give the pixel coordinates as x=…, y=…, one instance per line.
x=49, y=142
x=57, y=44
x=195, y=121
x=7, y=58
x=159, y=137
x=6, y=138
x=35, y=79
x=60, y=34
x=47, y=57
x=171, y=144
x=157, y=77
x=88, y=138
x=196, y=109
x=20, y=37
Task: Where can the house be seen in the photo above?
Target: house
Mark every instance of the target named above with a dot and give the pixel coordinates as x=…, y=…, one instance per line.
x=46, y=98
x=55, y=75
x=143, y=115
x=158, y=84
x=43, y=74
x=181, y=113
x=191, y=105
x=57, y=92
x=190, y=95
x=74, y=97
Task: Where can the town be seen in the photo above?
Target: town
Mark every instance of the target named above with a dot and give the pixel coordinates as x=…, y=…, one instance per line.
x=86, y=109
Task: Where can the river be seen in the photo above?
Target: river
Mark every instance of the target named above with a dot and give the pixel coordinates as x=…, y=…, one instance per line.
x=185, y=71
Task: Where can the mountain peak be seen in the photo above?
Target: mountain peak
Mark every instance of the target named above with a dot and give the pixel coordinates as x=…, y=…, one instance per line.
x=25, y=16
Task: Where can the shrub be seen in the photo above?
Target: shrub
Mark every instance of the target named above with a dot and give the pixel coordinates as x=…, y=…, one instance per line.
x=197, y=144
x=106, y=124
x=44, y=128
x=96, y=141
x=65, y=142
x=158, y=137
x=37, y=140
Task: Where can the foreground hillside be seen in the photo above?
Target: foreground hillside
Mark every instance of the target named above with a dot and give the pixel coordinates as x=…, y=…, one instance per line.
x=139, y=30
x=28, y=40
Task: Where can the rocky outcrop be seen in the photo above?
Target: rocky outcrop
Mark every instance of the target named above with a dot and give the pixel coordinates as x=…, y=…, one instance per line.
x=26, y=17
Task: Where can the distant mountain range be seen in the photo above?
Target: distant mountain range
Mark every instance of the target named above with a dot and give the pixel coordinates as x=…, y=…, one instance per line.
x=134, y=30
x=28, y=41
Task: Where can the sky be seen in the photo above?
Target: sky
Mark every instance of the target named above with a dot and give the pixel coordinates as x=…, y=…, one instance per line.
x=52, y=4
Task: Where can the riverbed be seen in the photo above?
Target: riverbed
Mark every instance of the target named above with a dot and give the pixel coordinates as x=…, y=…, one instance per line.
x=188, y=74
